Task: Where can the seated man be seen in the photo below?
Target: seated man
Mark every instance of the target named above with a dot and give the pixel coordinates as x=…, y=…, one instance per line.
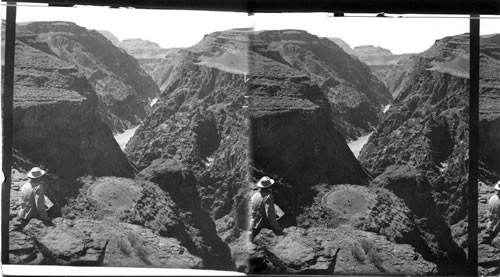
x=33, y=198
x=262, y=211
x=493, y=225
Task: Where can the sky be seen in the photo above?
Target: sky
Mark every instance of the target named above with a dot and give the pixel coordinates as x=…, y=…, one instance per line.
x=173, y=28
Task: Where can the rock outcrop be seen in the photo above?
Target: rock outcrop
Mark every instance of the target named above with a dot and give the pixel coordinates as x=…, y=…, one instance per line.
x=348, y=230
x=56, y=119
x=356, y=101
x=199, y=122
x=292, y=136
x=426, y=129
x=356, y=96
x=124, y=90
x=341, y=251
x=145, y=204
x=489, y=135
x=393, y=70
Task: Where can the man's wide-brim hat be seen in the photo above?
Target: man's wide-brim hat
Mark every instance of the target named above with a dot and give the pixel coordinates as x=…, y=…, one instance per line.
x=497, y=186
x=36, y=172
x=265, y=182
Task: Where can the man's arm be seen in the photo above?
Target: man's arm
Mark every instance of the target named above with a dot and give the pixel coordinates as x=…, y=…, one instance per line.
x=40, y=203
x=271, y=213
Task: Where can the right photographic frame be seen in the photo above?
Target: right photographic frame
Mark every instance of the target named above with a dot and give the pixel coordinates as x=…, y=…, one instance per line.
x=489, y=147
x=362, y=124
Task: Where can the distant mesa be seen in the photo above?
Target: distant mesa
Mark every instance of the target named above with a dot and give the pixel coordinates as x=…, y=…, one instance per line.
x=366, y=50
x=391, y=69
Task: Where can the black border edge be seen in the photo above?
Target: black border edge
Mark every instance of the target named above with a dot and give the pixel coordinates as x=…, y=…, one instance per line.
x=472, y=242
x=465, y=7
x=7, y=122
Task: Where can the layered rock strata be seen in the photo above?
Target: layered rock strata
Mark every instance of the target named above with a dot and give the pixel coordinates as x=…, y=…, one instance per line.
x=57, y=123
x=123, y=89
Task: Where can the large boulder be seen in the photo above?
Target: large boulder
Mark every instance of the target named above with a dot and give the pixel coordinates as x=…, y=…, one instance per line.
x=87, y=242
x=332, y=251
x=414, y=188
x=145, y=204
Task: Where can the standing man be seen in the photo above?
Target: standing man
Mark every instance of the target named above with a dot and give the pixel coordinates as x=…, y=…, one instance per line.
x=262, y=211
x=493, y=226
x=33, y=198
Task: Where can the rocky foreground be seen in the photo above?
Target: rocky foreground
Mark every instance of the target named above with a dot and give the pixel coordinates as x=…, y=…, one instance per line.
x=489, y=166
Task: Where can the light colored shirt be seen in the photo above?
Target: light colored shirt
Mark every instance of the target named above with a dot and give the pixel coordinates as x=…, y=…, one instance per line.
x=33, y=202
x=494, y=213
x=262, y=205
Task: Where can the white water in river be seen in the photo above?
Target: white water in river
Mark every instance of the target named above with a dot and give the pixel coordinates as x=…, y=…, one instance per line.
x=124, y=137
x=153, y=102
x=356, y=145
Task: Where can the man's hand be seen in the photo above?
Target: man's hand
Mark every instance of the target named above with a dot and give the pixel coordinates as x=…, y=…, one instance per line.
x=48, y=222
x=278, y=232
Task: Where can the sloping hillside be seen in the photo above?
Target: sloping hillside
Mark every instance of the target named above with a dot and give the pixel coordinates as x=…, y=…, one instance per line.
x=124, y=90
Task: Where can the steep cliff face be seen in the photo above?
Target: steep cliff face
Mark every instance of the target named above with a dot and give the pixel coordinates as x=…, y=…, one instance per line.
x=122, y=87
x=356, y=101
x=489, y=101
x=56, y=120
x=199, y=121
x=393, y=70
x=356, y=96
x=427, y=130
x=291, y=136
x=489, y=135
